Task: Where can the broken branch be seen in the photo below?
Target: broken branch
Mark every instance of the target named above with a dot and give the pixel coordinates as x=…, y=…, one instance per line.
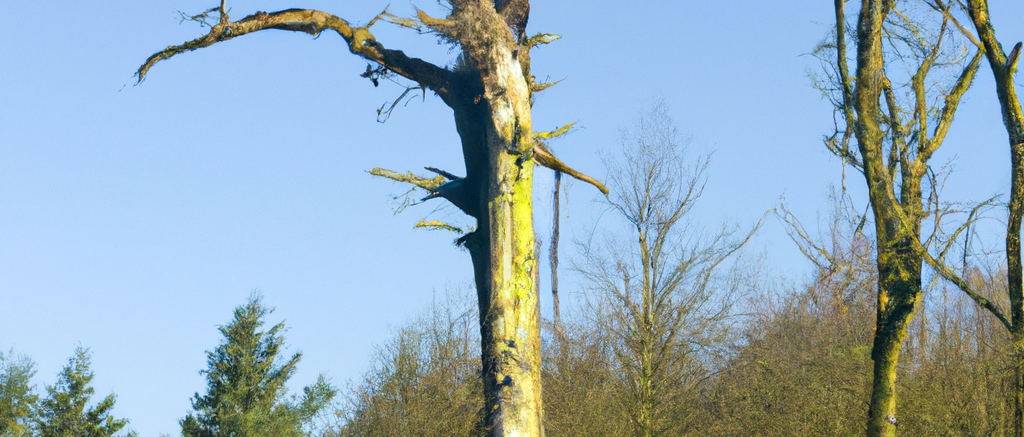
x=555, y=133
x=429, y=184
x=545, y=158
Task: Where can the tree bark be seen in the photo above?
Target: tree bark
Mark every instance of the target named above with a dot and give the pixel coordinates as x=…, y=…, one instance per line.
x=893, y=159
x=899, y=284
x=897, y=215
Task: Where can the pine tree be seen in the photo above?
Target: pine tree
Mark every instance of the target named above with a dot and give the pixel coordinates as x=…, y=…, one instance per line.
x=246, y=392
x=64, y=414
x=17, y=396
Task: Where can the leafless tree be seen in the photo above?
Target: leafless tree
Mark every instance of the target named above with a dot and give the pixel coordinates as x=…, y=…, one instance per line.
x=893, y=112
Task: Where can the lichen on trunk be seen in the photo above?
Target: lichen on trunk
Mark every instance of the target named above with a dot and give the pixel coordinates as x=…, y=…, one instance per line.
x=894, y=143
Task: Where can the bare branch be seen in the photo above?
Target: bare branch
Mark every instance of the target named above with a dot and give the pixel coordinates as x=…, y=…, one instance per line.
x=971, y=219
x=361, y=42
x=947, y=273
x=408, y=23
x=941, y=7
x=555, y=133
x=199, y=18
x=410, y=178
x=952, y=102
x=807, y=246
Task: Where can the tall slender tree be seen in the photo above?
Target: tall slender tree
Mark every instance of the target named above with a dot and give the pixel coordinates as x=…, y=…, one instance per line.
x=490, y=91
x=1003, y=66
x=894, y=142
x=658, y=301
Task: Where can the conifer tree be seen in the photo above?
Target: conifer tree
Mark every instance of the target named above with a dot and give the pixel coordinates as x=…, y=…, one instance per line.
x=246, y=393
x=63, y=412
x=17, y=394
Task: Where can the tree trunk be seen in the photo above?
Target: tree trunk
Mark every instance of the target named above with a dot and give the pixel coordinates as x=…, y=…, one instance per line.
x=1003, y=67
x=893, y=175
x=556, y=213
x=1015, y=287
x=899, y=290
x=899, y=265
x=492, y=114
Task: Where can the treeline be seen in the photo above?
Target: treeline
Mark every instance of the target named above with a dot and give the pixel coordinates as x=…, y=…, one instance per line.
x=246, y=391
x=796, y=362
x=676, y=334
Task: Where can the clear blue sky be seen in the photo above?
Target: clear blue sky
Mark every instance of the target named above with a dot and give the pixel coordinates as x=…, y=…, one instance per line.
x=134, y=219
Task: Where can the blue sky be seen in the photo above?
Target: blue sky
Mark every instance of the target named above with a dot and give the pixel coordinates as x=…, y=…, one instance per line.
x=133, y=219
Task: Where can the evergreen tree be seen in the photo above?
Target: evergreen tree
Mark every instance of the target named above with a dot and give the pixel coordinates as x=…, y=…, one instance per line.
x=64, y=414
x=17, y=397
x=246, y=393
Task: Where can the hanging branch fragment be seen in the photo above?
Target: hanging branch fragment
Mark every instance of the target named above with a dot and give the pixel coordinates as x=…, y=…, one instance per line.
x=545, y=158
x=360, y=41
x=384, y=114
x=553, y=256
x=375, y=75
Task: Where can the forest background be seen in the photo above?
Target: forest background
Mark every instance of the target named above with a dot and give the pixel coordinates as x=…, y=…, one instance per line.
x=132, y=219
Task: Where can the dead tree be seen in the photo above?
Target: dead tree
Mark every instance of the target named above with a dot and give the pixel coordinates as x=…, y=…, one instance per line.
x=489, y=90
